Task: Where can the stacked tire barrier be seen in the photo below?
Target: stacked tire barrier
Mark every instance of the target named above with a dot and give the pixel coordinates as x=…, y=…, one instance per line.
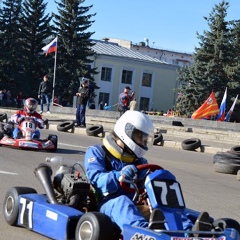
x=228, y=162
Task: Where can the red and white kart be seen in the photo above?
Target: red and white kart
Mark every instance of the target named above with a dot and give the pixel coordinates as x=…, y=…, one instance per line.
x=25, y=141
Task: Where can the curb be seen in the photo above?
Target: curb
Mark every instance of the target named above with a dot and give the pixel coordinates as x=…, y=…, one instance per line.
x=165, y=143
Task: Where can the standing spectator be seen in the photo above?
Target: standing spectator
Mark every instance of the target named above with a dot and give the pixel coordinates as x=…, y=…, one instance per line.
x=124, y=100
x=19, y=99
x=133, y=105
x=82, y=99
x=9, y=97
x=4, y=98
x=101, y=105
x=169, y=112
x=1, y=97
x=45, y=89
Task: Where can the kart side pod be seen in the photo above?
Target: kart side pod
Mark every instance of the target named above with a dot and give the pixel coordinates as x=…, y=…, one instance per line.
x=43, y=173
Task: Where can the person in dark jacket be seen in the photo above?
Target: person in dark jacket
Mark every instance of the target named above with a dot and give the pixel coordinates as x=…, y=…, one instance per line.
x=44, y=91
x=82, y=99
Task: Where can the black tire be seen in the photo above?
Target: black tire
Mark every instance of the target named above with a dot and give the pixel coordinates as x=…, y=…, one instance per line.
x=54, y=139
x=94, y=130
x=94, y=226
x=238, y=175
x=10, y=204
x=227, y=168
x=222, y=223
x=3, y=116
x=236, y=149
x=157, y=138
x=65, y=126
x=191, y=144
x=1, y=134
x=227, y=158
x=46, y=124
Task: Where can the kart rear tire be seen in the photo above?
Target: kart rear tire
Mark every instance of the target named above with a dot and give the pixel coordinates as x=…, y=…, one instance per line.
x=1, y=134
x=157, y=138
x=65, y=126
x=3, y=116
x=222, y=223
x=191, y=144
x=10, y=204
x=54, y=139
x=94, y=226
x=94, y=130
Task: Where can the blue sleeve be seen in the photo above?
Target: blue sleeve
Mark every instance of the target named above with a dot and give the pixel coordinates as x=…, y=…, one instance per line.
x=104, y=181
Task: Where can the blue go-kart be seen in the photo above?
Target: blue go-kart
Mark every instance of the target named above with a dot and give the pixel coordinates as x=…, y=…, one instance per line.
x=67, y=209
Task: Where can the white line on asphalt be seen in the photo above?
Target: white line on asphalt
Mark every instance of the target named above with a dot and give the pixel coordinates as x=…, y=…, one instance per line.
x=77, y=146
x=9, y=173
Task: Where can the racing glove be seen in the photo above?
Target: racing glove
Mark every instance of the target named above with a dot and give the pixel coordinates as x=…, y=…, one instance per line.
x=128, y=172
x=20, y=119
x=40, y=123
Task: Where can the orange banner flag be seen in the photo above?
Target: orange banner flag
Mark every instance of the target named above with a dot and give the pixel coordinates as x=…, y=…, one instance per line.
x=209, y=108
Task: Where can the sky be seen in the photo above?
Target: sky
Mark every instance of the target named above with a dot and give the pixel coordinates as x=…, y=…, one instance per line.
x=167, y=24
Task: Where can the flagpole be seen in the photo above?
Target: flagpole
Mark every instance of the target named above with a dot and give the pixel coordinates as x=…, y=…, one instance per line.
x=54, y=73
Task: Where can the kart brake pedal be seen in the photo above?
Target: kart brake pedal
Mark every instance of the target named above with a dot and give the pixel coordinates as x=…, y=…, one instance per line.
x=156, y=220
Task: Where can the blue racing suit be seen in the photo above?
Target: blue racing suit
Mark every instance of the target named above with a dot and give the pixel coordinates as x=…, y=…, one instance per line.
x=115, y=202
x=103, y=175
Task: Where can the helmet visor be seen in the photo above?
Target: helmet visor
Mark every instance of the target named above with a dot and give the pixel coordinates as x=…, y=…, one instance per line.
x=141, y=138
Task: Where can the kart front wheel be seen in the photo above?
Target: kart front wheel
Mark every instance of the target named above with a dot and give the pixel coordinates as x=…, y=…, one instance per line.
x=54, y=140
x=94, y=226
x=10, y=204
x=222, y=223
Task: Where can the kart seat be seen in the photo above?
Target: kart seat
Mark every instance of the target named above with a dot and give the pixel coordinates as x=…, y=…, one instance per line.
x=157, y=220
x=202, y=223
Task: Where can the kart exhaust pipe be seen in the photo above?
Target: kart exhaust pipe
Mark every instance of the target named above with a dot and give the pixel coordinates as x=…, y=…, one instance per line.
x=43, y=173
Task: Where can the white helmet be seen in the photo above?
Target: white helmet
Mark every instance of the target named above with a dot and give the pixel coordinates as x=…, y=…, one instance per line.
x=135, y=129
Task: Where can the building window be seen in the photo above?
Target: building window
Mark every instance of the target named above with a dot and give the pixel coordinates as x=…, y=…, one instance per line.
x=147, y=80
x=127, y=77
x=103, y=97
x=144, y=104
x=106, y=74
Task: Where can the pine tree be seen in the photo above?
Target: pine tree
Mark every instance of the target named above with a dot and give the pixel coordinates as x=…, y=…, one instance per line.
x=36, y=29
x=11, y=58
x=213, y=60
x=74, y=46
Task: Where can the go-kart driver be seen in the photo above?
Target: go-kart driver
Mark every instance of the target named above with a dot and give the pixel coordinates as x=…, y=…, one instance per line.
x=30, y=106
x=117, y=159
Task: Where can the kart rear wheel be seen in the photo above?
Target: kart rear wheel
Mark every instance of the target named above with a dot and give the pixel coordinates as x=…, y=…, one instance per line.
x=3, y=116
x=10, y=204
x=54, y=139
x=222, y=223
x=94, y=226
x=1, y=134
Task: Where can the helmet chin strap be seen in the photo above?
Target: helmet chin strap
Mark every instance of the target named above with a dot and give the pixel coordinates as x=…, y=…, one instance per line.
x=110, y=144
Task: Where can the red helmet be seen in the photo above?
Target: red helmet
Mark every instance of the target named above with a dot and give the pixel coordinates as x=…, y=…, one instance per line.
x=30, y=105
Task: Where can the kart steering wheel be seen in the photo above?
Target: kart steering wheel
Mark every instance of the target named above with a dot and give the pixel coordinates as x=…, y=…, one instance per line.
x=126, y=184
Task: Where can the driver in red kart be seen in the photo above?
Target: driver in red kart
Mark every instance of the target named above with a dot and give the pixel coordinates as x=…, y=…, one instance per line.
x=30, y=106
x=108, y=164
